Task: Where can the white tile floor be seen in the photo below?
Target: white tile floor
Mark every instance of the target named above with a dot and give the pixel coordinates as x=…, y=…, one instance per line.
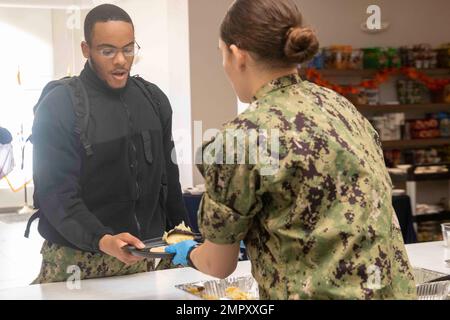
x=20, y=258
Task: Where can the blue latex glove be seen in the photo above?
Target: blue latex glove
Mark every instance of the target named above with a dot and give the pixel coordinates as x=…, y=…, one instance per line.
x=181, y=251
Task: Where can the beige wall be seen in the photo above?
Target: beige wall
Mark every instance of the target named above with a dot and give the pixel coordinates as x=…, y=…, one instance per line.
x=412, y=21
x=212, y=98
x=180, y=86
x=27, y=38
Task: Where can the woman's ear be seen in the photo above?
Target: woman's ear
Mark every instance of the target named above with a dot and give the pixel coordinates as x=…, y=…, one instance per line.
x=240, y=57
x=86, y=49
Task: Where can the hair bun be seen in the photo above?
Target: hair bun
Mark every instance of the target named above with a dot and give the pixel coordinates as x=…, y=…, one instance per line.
x=301, y=44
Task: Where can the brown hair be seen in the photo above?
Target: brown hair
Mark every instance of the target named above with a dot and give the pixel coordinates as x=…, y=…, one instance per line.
x=271, y=29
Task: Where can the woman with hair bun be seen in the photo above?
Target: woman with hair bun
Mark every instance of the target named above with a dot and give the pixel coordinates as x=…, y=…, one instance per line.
x=320, y=224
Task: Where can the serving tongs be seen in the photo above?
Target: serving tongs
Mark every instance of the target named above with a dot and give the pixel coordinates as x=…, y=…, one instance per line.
x=156, y=243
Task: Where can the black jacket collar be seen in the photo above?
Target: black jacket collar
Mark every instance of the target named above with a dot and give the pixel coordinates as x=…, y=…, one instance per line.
x=92, y=80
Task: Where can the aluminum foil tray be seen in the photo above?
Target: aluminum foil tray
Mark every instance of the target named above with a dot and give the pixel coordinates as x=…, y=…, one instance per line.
x=241, y=288
x=246, y=288
x=431, y=291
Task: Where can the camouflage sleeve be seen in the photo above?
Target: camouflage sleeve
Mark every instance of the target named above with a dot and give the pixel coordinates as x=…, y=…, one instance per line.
x=231, y=199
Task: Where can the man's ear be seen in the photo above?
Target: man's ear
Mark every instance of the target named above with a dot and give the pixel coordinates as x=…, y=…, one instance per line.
x=240, y=56
x=86, y=49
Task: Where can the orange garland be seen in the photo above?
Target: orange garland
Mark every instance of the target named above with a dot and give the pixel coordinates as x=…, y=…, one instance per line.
x=379, y=78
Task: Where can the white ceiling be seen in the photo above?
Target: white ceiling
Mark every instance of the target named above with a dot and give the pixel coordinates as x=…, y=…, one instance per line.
x=52, y=4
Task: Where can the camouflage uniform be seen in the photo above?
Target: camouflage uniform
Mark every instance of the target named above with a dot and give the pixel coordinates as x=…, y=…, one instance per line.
x=322, y=226
x=57, y=260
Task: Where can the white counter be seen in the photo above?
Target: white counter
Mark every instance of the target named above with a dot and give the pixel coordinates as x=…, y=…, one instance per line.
x=160, y=285
x=430, y=255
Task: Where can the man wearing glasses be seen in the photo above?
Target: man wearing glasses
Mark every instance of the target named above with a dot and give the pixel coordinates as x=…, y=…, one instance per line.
x=126, y=187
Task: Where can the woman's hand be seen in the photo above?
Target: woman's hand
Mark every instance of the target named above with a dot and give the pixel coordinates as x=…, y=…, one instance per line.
x=181, y=251
x=214, y=259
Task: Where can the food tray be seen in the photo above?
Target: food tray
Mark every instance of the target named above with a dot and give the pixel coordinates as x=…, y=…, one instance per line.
x=434, y=290
x=216, y=289
x=239, y=288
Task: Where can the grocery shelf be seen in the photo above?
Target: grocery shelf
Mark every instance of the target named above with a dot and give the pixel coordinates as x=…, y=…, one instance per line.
x=370, y=72
x=401, y=178
x=404, y=108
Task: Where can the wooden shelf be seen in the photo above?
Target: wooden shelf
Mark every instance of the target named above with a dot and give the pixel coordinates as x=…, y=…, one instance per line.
x=367, y=73
x=344, y=73
x=404, y=108
x=432, y=177
x=415, y=144
x=401, y=178
x=440, y=216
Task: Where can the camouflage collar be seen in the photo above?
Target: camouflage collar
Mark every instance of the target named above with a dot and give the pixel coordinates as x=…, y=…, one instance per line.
x=277, y=84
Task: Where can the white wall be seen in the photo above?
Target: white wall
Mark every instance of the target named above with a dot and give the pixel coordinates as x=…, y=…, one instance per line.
x=150, y=19
x=27, y=45
x=67, y=32
x=27, y=42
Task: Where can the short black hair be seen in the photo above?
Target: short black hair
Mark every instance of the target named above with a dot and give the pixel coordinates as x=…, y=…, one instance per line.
x=104, y=13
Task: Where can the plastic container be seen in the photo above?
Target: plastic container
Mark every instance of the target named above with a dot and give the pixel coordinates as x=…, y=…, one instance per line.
x=446, y=234
x=356, y=60
x=375, y=58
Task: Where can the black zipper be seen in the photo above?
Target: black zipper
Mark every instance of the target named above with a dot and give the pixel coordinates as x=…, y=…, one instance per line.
x=130, y=139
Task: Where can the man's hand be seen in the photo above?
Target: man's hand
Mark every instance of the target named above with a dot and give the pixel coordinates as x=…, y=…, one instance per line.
x=113, y=246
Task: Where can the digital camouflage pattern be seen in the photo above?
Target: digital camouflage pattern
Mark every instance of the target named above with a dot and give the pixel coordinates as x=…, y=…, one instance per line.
x=322, y=226
x=57, y=262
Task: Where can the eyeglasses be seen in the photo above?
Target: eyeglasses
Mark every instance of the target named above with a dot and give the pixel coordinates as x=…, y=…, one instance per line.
x=128, y=51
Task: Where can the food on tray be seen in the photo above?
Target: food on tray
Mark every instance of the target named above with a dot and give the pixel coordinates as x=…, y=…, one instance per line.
x=235, y=293
x=241, y=288
x=199, y=291
x=178, y=234
x=195, y=289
